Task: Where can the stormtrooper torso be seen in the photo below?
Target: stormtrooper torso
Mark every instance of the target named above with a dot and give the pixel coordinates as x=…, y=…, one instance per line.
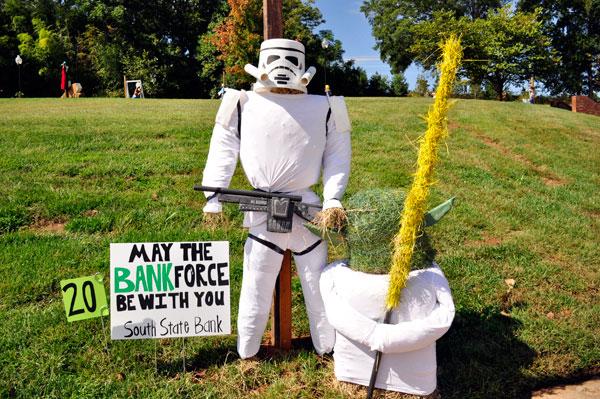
x=282, y=140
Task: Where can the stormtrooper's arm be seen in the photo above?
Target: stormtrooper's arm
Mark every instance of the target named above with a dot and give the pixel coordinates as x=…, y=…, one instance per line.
x=336, y=159
x=412, y=335
x=224, y=151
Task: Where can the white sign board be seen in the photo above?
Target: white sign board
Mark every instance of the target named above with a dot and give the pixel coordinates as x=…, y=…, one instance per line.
x=169, y=289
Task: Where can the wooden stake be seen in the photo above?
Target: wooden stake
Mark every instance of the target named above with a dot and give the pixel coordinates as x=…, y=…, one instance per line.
x=281, y=311
x=272, y=19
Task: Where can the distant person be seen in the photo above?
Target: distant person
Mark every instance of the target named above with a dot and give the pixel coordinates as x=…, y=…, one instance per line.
x=137, y=92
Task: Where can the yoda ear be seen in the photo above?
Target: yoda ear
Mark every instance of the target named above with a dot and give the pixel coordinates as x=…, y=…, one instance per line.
x=436, y=214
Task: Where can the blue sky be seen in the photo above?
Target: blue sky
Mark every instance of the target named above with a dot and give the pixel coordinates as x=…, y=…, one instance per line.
x=350, y=26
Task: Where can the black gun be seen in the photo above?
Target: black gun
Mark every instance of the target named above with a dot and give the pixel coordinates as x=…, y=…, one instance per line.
x=280, y=208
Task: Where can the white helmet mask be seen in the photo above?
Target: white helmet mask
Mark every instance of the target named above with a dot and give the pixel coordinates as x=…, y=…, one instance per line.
x=281, y=64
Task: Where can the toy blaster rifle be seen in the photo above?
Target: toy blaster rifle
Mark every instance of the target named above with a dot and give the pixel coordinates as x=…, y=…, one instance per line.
x=280, y=208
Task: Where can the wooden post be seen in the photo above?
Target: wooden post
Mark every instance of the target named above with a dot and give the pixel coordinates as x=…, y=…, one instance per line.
x=126, y=90
x=272, y=19
x=281, y=311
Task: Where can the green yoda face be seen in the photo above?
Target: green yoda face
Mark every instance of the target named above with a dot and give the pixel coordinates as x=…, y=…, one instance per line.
x=373, y=220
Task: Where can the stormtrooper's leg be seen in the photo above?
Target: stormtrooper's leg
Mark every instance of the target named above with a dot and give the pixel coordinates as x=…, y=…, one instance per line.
x=261, y=267
x=309, y=268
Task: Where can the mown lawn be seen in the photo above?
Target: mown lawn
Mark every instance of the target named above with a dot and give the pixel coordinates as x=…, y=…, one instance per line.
x=520, y=248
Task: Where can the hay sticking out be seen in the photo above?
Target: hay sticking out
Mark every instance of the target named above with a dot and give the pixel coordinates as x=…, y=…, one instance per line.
x=212, y=221
x=412, y=218
x=332, y=218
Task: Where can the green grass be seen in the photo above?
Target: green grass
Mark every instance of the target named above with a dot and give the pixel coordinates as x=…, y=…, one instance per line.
x=78, y=174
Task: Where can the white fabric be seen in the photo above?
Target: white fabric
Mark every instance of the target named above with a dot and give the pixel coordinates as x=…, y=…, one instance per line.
x=261, y=267
x=340, y=114
x=228, y=105
x=354, y=303
x=283, y=147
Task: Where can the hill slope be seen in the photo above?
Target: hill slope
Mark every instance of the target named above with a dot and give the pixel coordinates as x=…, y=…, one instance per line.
x=520, y=248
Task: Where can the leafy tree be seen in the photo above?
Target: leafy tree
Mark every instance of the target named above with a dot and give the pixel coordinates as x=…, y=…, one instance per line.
x=506, y=48
x=235, y=41
x=393, y=21
x=422, y=85
x=378, y=86
x=101, y=40
x=574, y=27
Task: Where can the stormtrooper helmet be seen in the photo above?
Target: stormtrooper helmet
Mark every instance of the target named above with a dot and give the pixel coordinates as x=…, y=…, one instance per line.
x=281, y=65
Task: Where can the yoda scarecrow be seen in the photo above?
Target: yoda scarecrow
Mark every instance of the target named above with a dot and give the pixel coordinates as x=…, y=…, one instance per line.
x=354, y=291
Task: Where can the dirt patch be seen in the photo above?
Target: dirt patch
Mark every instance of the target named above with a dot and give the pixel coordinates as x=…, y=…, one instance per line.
x=48, y=226
x=547, y=176
x=488, y=241
x=585, y=390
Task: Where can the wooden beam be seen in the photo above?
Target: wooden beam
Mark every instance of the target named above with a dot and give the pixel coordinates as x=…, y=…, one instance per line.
x=281, y=311
x=272, y=19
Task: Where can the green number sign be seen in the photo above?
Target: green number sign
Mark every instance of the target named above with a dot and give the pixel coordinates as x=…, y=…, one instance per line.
x=84, y=297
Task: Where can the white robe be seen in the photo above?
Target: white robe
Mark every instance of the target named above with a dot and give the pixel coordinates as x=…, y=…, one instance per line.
x=286, y=143
x=354, y=303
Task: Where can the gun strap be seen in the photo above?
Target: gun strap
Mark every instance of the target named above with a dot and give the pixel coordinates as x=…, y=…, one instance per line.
x=307, y=250
x=327, y=121
x=239, y=122
x=280, y=251
x=266, y=243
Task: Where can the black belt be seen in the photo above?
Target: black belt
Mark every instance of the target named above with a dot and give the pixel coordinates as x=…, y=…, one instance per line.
x=280, y=251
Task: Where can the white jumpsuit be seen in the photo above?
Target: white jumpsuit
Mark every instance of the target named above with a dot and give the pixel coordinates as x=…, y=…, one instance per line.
x=354, y=302
x=285, y=142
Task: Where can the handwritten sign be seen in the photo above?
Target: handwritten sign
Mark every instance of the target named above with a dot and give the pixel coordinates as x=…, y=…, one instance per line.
x=84, y=298
x=169, y=289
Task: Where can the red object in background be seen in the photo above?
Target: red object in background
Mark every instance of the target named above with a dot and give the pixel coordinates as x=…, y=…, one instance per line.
x=63, y=79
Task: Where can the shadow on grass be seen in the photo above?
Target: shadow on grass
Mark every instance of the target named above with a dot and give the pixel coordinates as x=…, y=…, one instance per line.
x=482, y=357
x=224, y=352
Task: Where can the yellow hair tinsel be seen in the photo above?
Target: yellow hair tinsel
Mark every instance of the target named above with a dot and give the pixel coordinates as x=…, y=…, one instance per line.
x=437, y=129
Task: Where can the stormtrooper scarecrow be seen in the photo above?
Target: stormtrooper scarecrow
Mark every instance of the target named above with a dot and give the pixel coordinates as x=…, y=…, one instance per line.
x=285, y=139
x=354, y=292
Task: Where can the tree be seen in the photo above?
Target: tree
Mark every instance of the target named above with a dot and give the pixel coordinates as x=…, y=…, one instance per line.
x=235, y=41
x=574, y=27
x=101, y=40
x=378, y=86
x=506, y=48
x=238, y=36
x=393, y=21
x=399, y=86
x=422, y=85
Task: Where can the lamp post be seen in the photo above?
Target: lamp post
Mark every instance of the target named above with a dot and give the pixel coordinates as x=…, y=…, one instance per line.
x=19, y=61
x=325, y=46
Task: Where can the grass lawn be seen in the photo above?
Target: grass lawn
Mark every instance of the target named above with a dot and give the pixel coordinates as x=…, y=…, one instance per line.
x=520, y=248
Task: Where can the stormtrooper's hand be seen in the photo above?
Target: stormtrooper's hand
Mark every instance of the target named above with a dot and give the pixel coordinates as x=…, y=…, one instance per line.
x=332, y=218
x=211, y=221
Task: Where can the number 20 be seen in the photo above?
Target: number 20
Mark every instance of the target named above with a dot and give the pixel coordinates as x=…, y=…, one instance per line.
x=92, y=294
